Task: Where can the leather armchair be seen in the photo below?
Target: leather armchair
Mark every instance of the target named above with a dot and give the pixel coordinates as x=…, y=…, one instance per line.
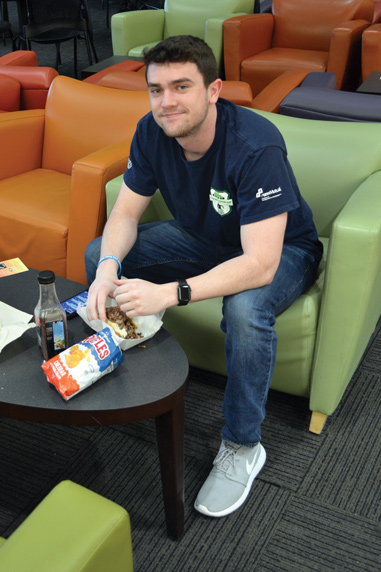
x=310, y=36
x=322, y=336
x=24, y=87
x=132, y=31
x=71, y=530
x=55, y=164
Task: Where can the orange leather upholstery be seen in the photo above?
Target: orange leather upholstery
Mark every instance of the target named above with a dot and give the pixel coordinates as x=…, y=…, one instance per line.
x=34, y=84
x=371, y=50
x=120, y=79
x=377, y=11
x=19, y=58
x=128, y=66
x=55, y=164
x=9, y=94
x=313, y=35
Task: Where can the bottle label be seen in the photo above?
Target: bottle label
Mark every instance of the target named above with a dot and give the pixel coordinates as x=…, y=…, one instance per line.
x=55, y=338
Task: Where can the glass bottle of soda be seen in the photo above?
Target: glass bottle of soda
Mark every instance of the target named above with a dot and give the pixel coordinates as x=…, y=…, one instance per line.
x=50, y=317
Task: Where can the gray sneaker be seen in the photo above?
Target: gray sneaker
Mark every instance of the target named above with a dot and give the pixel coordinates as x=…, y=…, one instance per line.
x=230, y=480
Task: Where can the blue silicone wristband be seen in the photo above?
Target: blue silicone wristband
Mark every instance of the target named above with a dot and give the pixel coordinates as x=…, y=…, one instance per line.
x=116, y=260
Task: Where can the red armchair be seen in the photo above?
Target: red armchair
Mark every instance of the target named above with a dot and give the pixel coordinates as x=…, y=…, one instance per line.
x=23, y=85
x=19, y=58
x=306, y=36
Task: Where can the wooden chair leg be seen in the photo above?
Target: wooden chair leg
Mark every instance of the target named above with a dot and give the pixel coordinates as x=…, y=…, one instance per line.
x=317, y=422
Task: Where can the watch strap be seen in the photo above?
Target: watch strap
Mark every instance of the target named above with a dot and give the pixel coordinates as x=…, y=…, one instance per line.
x=183, y=292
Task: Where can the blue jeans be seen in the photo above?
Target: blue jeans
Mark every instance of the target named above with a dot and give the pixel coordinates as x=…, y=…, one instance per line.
x=164, y=252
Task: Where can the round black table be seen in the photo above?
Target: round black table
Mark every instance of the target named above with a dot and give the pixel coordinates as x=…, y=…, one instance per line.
x=150, y=383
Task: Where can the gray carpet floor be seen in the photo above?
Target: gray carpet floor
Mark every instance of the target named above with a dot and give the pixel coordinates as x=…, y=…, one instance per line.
x=314, y=507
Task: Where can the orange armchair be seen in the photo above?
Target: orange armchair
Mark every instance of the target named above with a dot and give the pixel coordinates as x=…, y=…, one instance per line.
x=55, y=164
x=313, y=35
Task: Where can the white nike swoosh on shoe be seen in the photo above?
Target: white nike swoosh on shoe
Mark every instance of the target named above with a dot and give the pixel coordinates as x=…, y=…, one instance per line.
x=249, y=466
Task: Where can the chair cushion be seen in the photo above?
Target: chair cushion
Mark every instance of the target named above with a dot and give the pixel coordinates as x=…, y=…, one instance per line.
x=261, y=69
x=42, y=220
x=197, y=328
x=331, y=105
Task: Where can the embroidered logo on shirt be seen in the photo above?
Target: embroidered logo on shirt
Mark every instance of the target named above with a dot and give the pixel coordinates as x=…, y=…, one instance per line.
x=221, y=201
x=269, y=195
x=129, y=164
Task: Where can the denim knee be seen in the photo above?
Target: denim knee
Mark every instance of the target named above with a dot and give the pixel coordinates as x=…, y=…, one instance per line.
x=92, y=255
x=242, y=314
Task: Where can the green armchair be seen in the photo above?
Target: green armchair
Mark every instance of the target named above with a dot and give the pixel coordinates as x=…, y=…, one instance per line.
x=71, y=530
x=323, y=335
x=132, y=31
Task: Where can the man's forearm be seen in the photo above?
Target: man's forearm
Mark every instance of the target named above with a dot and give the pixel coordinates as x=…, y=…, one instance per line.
x=234, y=275
x=118, y=238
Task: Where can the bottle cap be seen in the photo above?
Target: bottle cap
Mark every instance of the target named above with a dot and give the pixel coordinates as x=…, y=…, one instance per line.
x=46, y=277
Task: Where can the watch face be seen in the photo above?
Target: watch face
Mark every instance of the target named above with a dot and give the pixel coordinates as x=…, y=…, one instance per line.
x=183, y=294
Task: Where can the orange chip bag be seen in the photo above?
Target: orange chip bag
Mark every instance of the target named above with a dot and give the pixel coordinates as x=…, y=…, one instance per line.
x=81, y=365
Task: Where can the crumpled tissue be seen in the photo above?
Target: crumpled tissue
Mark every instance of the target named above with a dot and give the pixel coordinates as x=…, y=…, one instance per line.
x=13, y=323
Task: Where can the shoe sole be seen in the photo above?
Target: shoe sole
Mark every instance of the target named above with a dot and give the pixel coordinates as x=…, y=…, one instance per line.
x=258, y=467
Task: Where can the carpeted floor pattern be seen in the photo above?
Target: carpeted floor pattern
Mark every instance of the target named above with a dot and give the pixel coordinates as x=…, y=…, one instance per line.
x=315, y=507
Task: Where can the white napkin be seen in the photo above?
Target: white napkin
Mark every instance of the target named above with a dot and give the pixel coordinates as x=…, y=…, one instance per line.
x=13, y=323
x=147, y=326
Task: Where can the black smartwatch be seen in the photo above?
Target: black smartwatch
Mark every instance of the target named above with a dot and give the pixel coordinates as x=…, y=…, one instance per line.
x=183, y=292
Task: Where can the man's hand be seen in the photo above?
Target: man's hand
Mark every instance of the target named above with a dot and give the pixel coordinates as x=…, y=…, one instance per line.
x=138, y=297
x=100, y=289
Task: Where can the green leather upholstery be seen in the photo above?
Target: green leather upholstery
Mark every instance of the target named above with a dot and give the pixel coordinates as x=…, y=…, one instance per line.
x=132, y=31
x=323, y=335
x=71, y=530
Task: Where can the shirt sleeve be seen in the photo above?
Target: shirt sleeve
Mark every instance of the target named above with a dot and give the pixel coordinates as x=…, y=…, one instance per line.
x=266, y=186
x=139, y=175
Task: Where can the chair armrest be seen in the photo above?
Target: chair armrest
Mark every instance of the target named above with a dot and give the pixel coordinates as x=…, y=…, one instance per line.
x=127, y=80
x=10, y=90
x=19, y=58
x=88, y=201
x=245, y=36
x=237, y=91
x=72, y=529
x=351, y=302
x=344, y=57
x=371, y=50
x=21, y=140
x=35, y=83
x=135, y=28
x=270, y=98
x=214, y=37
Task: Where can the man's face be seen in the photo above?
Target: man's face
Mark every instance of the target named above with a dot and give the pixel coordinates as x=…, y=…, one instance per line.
x=180, y=102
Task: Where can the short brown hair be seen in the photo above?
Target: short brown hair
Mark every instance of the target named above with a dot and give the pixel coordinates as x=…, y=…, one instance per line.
x=182, y=49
